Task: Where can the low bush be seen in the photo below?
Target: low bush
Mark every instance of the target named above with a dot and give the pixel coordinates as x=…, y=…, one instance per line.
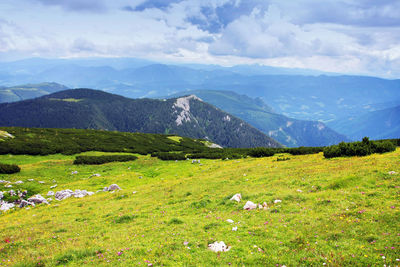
x=363, y=148
x=169, y=156
x=96, y=160
x=260, y=152
x=9, y=168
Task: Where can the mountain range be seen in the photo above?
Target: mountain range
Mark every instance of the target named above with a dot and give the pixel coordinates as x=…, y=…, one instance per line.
x=289, y=132
x=324, y=100
x=92, y=109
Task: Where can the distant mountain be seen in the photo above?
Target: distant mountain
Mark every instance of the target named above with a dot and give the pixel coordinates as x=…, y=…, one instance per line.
x=287, y=131
x=22, y=92
x=319, y=98
x=380, y=124
x=92, y=109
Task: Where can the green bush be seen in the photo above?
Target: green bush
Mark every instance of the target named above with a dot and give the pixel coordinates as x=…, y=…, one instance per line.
x=96, y=160
x=169, y=156
x=363, y=148
x=260, y=152
x=9, y=168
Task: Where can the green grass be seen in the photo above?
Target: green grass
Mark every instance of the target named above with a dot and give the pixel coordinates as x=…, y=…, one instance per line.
x=347, y=213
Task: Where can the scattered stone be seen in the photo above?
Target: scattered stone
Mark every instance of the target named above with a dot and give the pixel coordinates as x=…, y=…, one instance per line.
x=265, y=206
x=50, y=193
x=95, y=175
x=113, y=187
x=31, y=180
x=234, y=228
x=299, y=190
x=218, y=247
x=12, y=193
x=277, y=201
x=230, y=221
x=18, y=182
x=8, y=186
x=391, y=172
x=195, y=161
x=1, y=195
x=49, y=199
x=74, y=172
x=134, y=192
x=250, y=206
x=53, y=186
x=4, y=182
x=140, y=177
x=37, y=199
x=64, y=194
x=25, y=203
x=4, y=206
x=237, y=197
x=41, y=182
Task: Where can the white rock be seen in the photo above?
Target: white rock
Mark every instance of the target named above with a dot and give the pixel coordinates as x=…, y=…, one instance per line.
x=299, y=190
x=50, y=193
x=53, y=186
x=230, y=221
x=277, y=201
x=74, y=172
x=4, y=206
x=41, y=182
x=1, y=195
x=218, y=247
x=234, y=228
x=31, y=180
x=237, y=197
x=113, y=187
x=37, y=199
x=18, y=182
x=391, y=172
x=134, y=192
x=8, y=186
x=64, y=194
x=250, y=206
x=260, y=206
x=25, y=203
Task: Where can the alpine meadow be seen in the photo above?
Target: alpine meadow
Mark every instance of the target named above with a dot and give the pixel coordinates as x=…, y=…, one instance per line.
x=199, y=133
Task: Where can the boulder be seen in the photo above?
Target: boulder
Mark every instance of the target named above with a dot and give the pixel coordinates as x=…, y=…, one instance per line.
x=50, y=193
x=250, y=206
x=218, y=247
x=64, y=194
x=113, y=187
x=37, y=199
x=25, y=203
x=4, y=206
x=237, y=197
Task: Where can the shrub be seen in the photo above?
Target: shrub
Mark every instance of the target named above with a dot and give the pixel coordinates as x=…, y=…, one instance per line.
x=259, y=152
x=95, y=160
x=169, y=156
x=9, y=168
x=363, y=148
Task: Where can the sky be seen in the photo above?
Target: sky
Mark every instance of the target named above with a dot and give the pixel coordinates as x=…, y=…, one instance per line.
x=345, y=36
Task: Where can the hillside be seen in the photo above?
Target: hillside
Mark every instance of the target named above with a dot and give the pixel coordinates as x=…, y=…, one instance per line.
x=289, y=132
x=339, y=212
x=380, y=124
x=91, y=109
x=28, y=91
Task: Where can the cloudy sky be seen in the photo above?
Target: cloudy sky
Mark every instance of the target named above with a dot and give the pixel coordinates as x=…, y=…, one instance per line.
x=348, y=36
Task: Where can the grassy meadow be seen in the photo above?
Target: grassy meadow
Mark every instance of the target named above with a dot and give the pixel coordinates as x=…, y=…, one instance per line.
x=334, y=212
